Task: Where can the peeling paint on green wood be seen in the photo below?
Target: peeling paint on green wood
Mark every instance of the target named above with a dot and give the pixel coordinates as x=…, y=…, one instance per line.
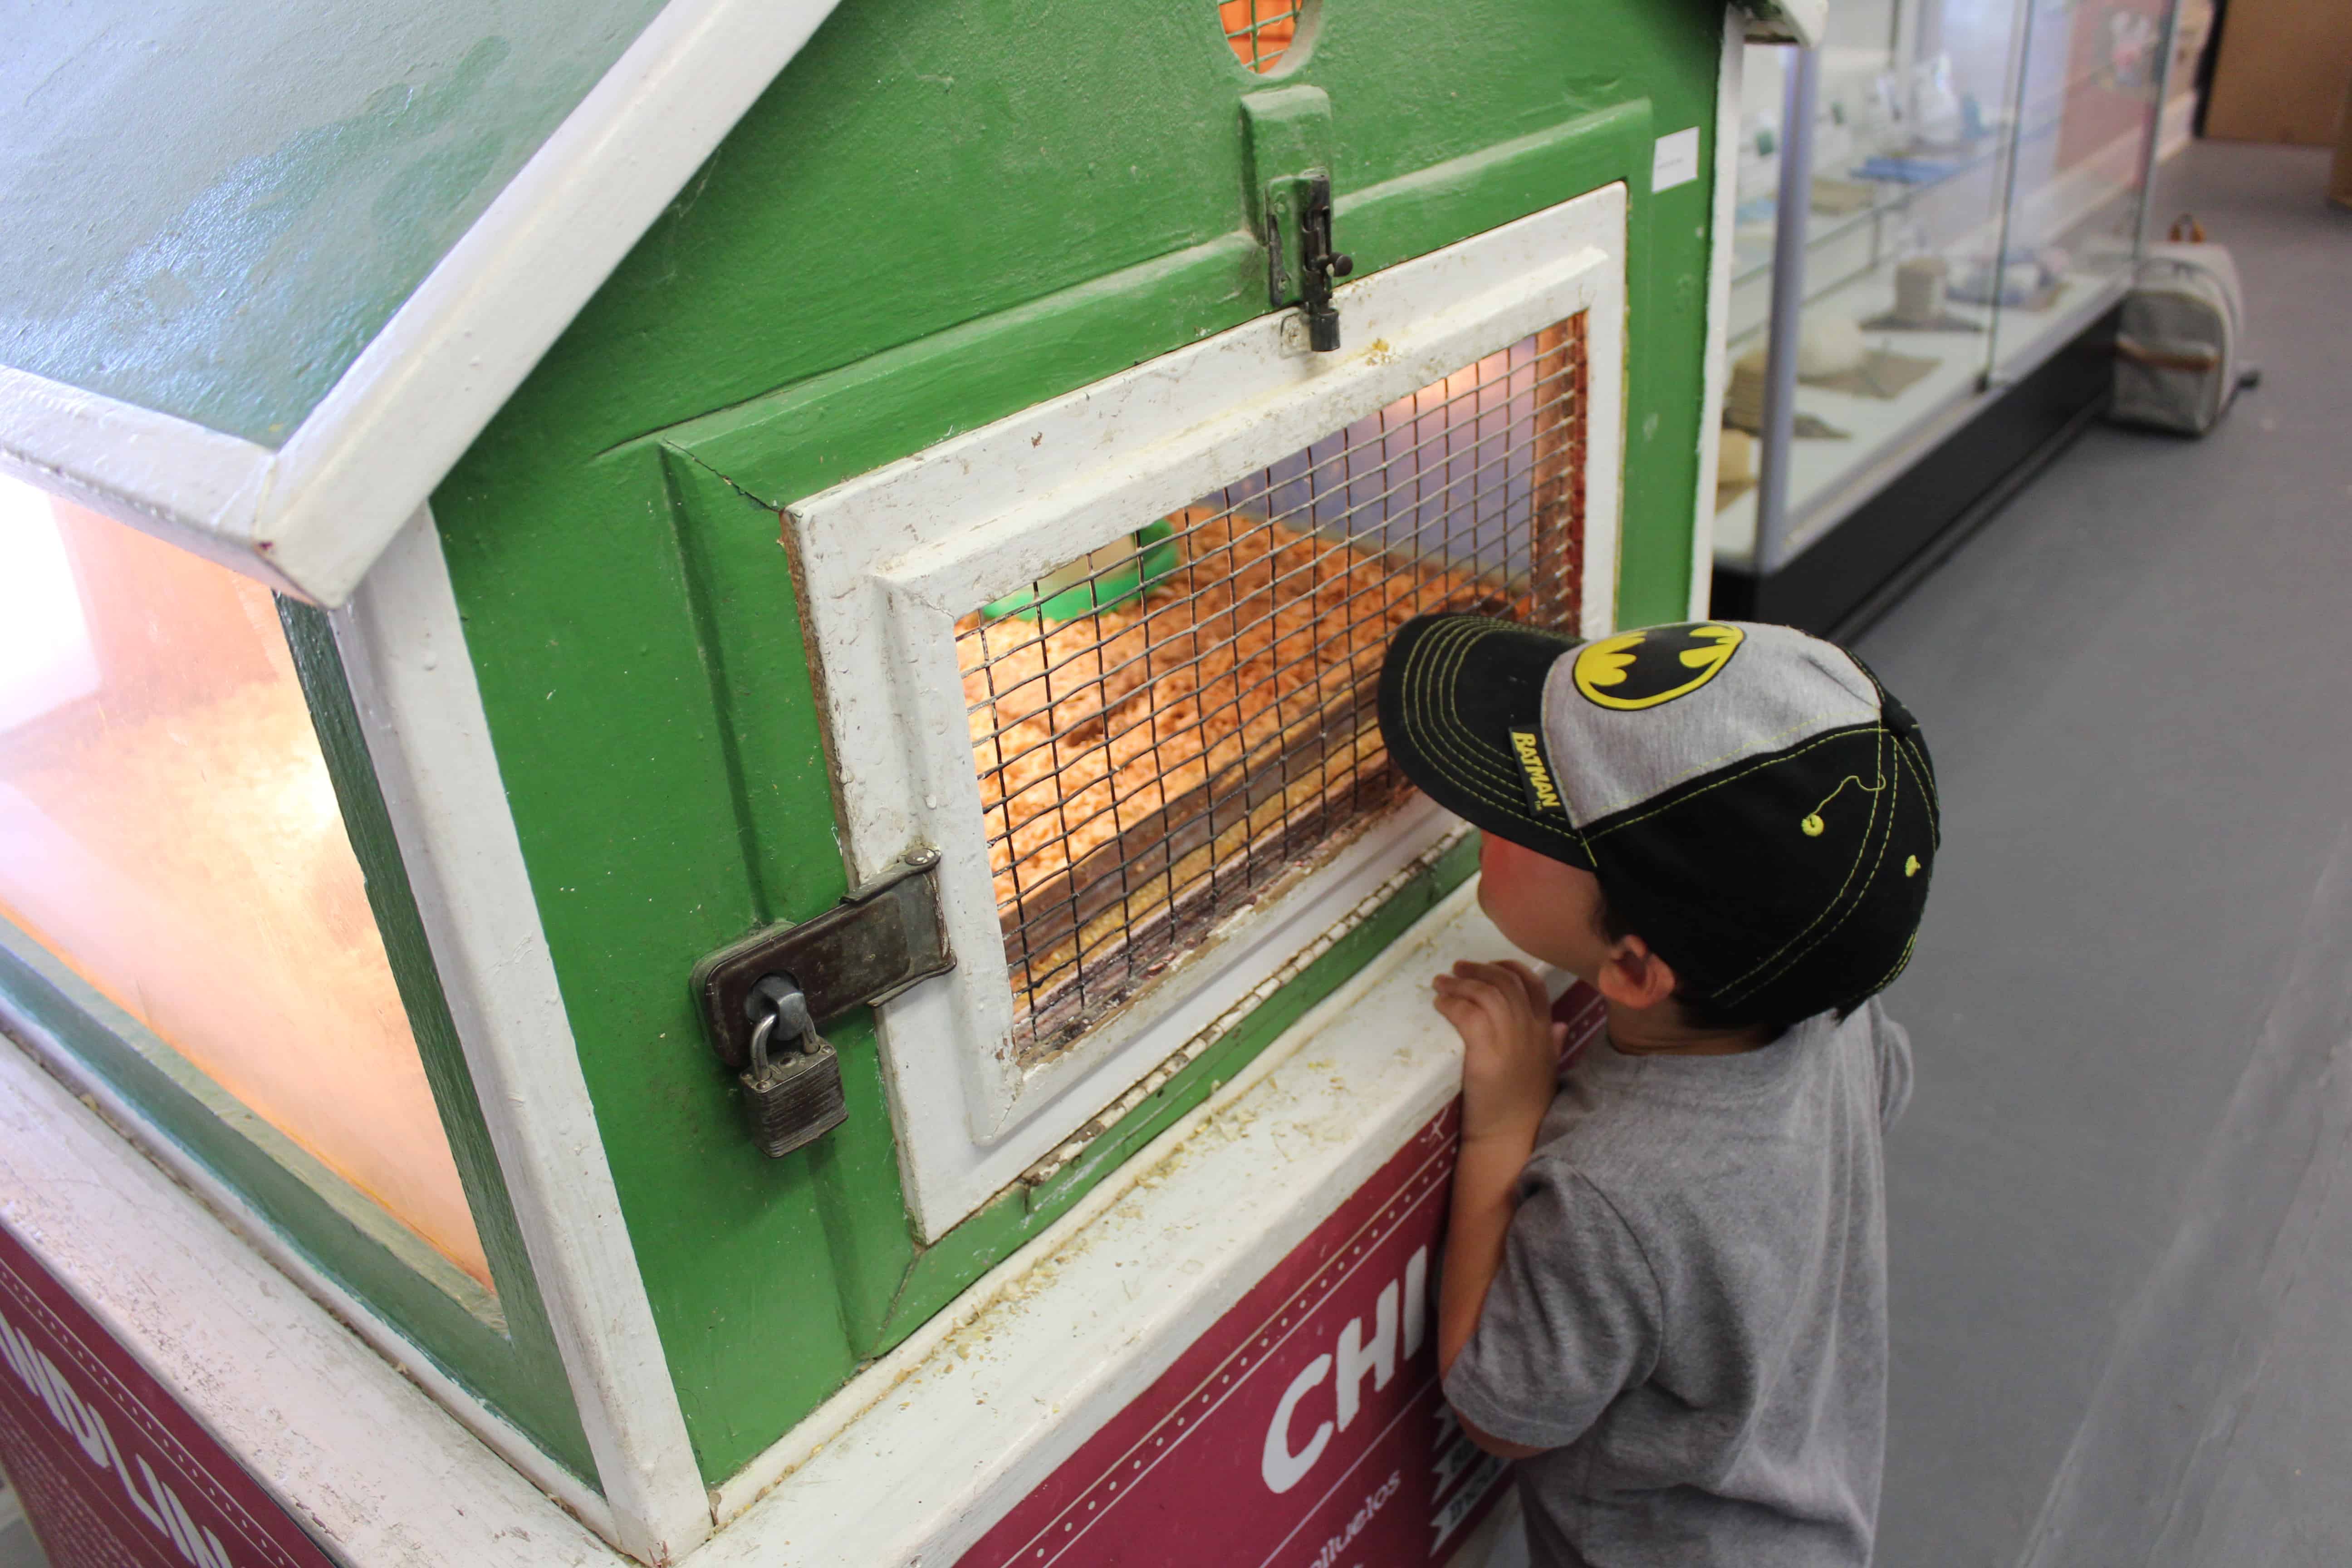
x=944, y=211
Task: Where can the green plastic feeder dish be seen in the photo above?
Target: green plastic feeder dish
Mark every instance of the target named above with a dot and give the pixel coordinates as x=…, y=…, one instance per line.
x=1105, y=579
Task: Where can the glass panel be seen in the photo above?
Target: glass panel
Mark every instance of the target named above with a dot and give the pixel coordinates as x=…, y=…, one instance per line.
x=1167, y=728
x=1907, y=180
x=2087, y=100
x=168, y=829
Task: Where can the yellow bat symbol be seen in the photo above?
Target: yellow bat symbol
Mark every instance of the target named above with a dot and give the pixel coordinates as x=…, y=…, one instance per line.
x=1641, y=669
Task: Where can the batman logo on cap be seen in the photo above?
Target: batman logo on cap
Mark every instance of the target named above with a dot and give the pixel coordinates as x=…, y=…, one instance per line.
x=1644, y=669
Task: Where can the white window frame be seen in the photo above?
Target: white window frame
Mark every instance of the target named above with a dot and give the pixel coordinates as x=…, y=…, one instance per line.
x=887, y=562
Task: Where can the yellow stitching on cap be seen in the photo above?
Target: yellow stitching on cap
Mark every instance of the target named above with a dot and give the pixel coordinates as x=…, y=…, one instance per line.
x=1927, y=788
x=1811, y=822
x=1731, y=778
x=1422, y=713
x=1775, y=962
x=1436, y=692
x=1747, y=747
x=1468, y=768
x=1469, y=637
x=1902, y=962
x=1423, y=672
x=1458, y=639
x=1888, y=742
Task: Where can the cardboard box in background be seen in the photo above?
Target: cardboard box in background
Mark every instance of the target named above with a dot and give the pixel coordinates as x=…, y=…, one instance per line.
x=2283, y=72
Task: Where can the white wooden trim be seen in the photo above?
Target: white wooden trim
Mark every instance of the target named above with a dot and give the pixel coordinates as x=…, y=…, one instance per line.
x=408, y=407
x=311, y=518
x=196, y=488
x=1716, y=371
x=358, y=1445
x=889, y=560
x=986, y=1399
x=413, y=683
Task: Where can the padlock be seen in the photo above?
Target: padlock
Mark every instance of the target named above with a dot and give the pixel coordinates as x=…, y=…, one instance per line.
x=793, y=1097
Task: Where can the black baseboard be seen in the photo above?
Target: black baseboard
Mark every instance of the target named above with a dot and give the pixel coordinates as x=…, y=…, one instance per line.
x=1864, y=566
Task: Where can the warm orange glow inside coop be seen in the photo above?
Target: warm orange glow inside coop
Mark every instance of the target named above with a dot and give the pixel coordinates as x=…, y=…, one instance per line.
x=168, y=829
x=1167, y=728
x=1260, y=31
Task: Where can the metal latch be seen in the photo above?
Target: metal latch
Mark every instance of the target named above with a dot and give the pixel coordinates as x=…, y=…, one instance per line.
x=1286, y=134
x=764, y=997
x=1324, y=266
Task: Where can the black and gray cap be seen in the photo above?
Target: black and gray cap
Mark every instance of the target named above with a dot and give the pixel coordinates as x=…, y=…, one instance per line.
x=1755, y=805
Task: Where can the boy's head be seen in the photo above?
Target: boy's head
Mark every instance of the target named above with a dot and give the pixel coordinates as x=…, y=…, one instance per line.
x=1746, y=800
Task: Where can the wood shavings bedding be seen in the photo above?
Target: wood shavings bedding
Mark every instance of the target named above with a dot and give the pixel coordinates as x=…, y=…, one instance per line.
x=1164, y=736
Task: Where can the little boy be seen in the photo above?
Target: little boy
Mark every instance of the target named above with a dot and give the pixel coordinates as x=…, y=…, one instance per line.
x=1664, y=1285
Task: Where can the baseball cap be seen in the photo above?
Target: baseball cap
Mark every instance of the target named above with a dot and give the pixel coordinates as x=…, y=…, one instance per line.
x=1754, y=803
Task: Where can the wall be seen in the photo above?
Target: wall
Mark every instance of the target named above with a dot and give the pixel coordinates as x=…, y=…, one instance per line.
x=2283, y=72
x=862, y=269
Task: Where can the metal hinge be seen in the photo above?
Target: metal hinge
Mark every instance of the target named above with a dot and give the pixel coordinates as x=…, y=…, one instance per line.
x=791, y=979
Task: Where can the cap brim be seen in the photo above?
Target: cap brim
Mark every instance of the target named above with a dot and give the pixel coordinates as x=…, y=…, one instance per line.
x=1454, y=687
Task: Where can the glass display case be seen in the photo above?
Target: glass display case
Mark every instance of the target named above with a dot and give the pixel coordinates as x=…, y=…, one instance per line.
x=1930, y=207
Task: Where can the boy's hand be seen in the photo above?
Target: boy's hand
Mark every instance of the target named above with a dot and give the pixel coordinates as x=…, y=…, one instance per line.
x=1510, y=1048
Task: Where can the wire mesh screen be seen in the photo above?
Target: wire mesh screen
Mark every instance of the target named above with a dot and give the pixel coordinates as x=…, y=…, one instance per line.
x=1168, y=726
x=1260, y=31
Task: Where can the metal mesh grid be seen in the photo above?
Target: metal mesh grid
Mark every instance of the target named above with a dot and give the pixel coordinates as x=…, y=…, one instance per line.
x=1166, y=727
x=1260, y=31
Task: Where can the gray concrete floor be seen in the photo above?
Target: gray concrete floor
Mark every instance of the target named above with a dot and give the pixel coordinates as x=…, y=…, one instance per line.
x=2135, y=683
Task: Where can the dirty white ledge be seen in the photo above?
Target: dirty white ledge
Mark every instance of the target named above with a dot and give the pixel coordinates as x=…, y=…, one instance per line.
x=916, y=1459
x=369, y=1465
x=911, y=1462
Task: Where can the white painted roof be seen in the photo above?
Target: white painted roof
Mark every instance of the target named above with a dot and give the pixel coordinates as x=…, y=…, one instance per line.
x=300, y=481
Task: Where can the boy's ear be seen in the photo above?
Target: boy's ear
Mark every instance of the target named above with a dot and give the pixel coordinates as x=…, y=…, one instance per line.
x=1635, y=976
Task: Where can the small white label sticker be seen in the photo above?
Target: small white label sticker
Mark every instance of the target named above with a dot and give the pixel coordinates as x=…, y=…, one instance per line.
x=1676, y=161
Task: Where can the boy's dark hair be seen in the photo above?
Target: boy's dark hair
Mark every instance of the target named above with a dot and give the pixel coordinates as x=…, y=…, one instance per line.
x=1698, y=1012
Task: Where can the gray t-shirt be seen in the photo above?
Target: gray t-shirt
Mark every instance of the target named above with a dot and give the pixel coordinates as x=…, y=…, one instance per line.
x=1690, y=1315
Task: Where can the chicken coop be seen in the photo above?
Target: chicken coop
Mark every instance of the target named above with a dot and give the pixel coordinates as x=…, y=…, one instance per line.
x=694, y=863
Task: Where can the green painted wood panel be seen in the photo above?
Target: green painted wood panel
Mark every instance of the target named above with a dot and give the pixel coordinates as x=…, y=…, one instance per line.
x=209, y=207
x=942, y=212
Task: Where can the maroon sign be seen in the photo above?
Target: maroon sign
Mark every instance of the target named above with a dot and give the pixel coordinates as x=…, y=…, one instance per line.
x=113, y=1472
x=1306, y=1428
